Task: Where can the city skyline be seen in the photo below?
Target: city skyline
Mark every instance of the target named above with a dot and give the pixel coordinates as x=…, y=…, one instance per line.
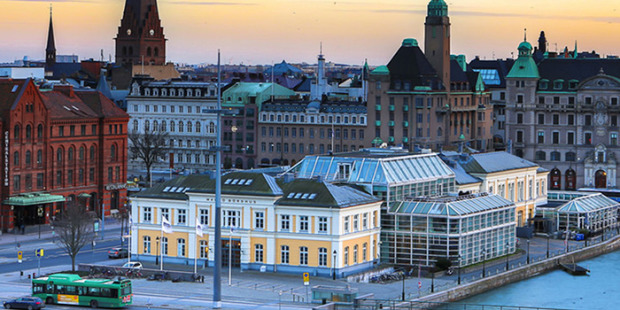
x=261, y=32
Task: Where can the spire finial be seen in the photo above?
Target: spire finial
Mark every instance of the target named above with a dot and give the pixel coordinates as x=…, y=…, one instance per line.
x=321, y=48
x=525, y=34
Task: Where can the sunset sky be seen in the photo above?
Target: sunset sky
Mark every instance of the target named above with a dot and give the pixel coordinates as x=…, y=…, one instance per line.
x=266, y=31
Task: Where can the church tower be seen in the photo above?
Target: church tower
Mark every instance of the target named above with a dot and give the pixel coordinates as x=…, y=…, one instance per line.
x=50, y=50
x=437, y=39
x=140, y=36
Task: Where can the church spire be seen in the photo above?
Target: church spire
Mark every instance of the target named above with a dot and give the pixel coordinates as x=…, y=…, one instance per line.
x=50, y=50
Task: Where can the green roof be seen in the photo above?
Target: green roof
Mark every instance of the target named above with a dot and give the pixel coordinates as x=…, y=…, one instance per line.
x=410, y=42
x=243, y=93
x=381, y=70
x=236, y=183
x=524, y=66
x=31, y=199
x=437, y=8
x=312, y=193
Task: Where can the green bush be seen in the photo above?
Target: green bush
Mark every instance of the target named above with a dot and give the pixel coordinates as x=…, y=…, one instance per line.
x=443, y=263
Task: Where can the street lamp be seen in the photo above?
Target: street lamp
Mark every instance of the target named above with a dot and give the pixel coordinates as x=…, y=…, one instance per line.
x=157, y=244
x=483, y=262
x=548, y=235
x=334, y=264
x=507, y=255
x=459, y=278
x=528, y=251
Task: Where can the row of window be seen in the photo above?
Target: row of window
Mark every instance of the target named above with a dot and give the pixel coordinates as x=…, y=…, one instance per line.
x=520, y=192
x=555, y=156
x=113, y=128
x=181, y=126
x=114, y=175
x=336, y=134
x=284, y=148
x=174, y=92
x=570, y=137
x=287, y=118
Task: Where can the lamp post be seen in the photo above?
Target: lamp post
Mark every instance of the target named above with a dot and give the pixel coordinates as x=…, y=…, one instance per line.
x=157, y=245
x=334, y=264
x=507, y=255
x=484, y=271
x=459, y=278
x=548, y=245
x=403, y=294
x=528, y=251
x=230, y=257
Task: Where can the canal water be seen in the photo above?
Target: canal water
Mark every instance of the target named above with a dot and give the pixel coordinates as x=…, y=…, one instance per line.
x=558, y=289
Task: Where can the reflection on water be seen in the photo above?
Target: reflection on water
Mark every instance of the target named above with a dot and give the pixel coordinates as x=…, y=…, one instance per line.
x=558, y=289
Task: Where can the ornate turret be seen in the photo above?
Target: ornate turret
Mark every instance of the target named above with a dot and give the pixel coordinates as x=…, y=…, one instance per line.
x=437, y=39
x=140, y=36
x=50, y=50
x=524, y=66
x=437, y=8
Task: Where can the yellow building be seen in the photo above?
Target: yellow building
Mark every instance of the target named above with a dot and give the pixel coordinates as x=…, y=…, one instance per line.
x=267, y=224
x=520, y=181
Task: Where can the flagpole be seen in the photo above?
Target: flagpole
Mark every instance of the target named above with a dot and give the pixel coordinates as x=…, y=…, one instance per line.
x=161, y=247
x=217, y=264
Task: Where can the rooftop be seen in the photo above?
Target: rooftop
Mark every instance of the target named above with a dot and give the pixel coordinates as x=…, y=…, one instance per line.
x=450, y=205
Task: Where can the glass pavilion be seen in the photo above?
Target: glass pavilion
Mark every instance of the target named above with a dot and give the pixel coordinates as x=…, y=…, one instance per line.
x=595, y=213
x=464, y=229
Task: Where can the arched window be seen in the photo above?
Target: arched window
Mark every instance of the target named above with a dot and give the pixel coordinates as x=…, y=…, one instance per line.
x=16, y=133
x=156, y=52
x=39, y=157
x=571, y=179
x=28, y=132
x=148, y=51
x=570, y=156
x=93, y=153
x=439, y=132
x=16, y=159
x=197, y=126
x=81, y=155
x=113, y=152
x=556, y=179
x=541, y=155
x=147, y=125
x=211, y=127
x=135, y=125
x=172, y=126
x=70, y=154
x=555, y=156
x=155, y=126
x=39, y=131
x=163, y=126
x=28, y=158
x=189, y=126
x=180, y=126
x=59, y=156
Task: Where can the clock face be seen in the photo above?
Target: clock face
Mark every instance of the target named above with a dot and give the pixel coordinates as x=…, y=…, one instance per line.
x=128, y=32
x=152, y=32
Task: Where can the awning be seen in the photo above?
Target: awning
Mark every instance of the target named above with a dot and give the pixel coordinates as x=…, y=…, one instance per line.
x=31, y=199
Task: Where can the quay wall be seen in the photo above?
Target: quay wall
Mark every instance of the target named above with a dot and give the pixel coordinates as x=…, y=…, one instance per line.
x=521, y=273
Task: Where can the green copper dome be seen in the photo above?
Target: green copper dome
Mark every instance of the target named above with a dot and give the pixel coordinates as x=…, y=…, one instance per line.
x=410, y=42
x=381, y=70
x=524, y=66
x=437, y=8
x=525, y=46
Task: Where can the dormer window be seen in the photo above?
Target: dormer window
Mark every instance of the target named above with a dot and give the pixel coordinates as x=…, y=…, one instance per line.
x=543, y=84
x=572, y=84
x=156, y=92
x=164, y=92
x=557, y=84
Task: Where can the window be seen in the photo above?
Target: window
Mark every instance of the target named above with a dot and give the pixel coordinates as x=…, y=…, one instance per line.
x=322, y=257
x=556, y=119
x=588, y=138
x=365, y=221
x=231, y=218
x=303, y=223
x=164, y=246
x=519, y=118
x=165, y=213
x=519, y=136
x=259, y=220
x=570, y=138
x=364, y=252
x=613, y=138
x=146, y=244
x=356, y=219
x=346, y=224
x=541, y=137
x=346, y=256
x=541, y=119
x=303, y=255
x=555, y=156
x=147, y=215
x=258, y=253
x=204, y=247
x=322, y=225
x=204, y=216
x=285, y=222
x=284, y=254
x=355, y=248
x=555, y=136
x=17, y=182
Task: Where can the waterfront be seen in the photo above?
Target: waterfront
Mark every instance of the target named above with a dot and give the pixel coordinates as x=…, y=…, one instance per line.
x=558, y=289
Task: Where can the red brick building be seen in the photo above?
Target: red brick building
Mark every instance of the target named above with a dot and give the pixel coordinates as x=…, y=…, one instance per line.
x=58, y=146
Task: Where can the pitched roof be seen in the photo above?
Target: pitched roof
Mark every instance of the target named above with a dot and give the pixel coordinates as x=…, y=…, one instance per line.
x=62, y=106
x=101, y=104
x=410, y=65
x=312, y=193
x=588, y=203
x=450, y=206
x=494, y=162
x=236, y=183
x=10, y=91
x=580, y=69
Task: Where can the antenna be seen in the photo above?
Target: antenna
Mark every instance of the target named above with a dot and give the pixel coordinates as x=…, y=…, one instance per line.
x=524, y=34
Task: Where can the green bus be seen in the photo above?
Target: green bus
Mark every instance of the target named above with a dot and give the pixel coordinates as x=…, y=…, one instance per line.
x=71, y=289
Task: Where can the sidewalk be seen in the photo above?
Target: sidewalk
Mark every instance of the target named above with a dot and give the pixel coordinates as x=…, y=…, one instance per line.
x=47, y=233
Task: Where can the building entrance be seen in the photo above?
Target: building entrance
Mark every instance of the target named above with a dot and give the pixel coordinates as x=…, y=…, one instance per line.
x=231, y=251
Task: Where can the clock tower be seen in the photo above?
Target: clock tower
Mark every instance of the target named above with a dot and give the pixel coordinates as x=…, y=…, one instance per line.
x=140, y=38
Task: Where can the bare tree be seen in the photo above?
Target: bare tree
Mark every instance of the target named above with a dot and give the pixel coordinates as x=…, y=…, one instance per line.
x=149, y=146
x=74, y=228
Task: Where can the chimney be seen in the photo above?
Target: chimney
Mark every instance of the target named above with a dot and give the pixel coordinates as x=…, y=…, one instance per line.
x=65, y=89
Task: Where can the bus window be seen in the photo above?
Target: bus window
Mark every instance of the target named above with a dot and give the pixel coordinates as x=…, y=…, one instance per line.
x=94, y=291
x=80, y=290
x=60, y=289
x=105, y=292
x=38, y=289
x=126, y=290
x=114, y=292
x=71, y=290
x=50, y=288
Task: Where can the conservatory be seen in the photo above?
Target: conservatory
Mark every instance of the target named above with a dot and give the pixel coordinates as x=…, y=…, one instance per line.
x=465, y=229
x=595, y=213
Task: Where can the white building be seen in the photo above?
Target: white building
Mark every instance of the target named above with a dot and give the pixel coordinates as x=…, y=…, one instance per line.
x=182, y=110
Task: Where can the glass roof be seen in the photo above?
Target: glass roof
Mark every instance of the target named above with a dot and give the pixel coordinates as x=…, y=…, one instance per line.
x=395, y=170
x=588, y=203
x=489, y=76
x=451, y=206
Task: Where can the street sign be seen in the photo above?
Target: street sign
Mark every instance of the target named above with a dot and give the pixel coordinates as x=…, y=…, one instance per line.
x=19, y=256
x=306, y=278
x=39, y=252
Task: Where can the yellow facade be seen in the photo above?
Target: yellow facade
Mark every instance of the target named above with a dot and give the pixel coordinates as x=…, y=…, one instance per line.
x=294, y=246
x=350, y=244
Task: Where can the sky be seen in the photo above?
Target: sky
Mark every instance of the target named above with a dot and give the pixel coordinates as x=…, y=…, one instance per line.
x=266, y=31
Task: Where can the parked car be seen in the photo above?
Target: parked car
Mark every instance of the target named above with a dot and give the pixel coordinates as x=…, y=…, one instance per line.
x=117, y=253
x=133, y=265
x=25, y=303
